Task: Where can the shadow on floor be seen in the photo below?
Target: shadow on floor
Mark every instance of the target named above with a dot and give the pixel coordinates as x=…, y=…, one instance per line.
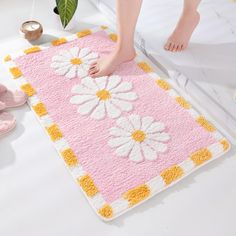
x=7, y=153
x=45, y=38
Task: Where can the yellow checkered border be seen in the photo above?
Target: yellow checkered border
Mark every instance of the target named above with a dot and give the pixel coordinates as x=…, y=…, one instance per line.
x=140, y=193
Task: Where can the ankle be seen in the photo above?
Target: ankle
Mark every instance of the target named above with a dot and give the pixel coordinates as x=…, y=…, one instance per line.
x=125, y=50
x=190, y=12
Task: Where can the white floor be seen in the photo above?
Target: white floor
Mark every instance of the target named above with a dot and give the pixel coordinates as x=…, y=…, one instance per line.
x=38, y=196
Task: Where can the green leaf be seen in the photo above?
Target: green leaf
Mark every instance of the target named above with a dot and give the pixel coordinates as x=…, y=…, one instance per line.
x=66, y=9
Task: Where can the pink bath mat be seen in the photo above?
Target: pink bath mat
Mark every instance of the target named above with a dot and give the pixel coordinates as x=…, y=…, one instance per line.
x=123, y=137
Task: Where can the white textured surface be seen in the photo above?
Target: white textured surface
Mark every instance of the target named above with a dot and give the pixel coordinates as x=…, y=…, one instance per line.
x=39, y=197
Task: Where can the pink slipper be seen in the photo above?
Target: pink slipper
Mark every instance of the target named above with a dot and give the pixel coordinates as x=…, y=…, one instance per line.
x=12, y=99
x=7, y=123
x=3, y=89
x=2, y=106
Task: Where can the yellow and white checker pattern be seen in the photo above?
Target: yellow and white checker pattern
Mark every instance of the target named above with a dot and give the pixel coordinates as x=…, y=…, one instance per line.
x=140, y=193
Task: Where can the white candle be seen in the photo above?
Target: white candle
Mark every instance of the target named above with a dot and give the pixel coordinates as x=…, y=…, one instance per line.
x=31, y=26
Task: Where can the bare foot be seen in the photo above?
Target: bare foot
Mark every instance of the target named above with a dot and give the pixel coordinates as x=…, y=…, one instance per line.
x=108, y=64
x=179, y=39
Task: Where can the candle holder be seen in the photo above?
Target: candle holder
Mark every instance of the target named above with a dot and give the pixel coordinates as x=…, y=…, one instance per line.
x=31, y=30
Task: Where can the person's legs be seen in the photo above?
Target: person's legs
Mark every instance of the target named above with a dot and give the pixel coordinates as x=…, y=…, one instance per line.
x=188, y=21
x=127, y=15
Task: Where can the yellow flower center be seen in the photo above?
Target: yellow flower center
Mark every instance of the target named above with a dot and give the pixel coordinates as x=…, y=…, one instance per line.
x=103, y=94
x=76, y=61
x=138, y=136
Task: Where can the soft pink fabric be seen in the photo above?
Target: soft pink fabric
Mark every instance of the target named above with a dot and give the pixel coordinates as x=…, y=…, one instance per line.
x=88, y=138
x=13, y=98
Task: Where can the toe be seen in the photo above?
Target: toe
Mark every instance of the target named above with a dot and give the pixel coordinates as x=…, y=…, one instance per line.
x=93, y=71
x=97, y=74
x=93, y=63
x=92, y=66
x=167, y=45
x=178, y=47
x=175, y=48
x=100, y=73
x=172, y=47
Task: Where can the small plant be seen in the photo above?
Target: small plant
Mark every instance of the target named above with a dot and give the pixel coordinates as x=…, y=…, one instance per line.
x=66, y=10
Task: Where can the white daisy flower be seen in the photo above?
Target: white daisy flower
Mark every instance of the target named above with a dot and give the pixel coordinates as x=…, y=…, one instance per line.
x=103, y=96
x=74, y=62
x=138, y=138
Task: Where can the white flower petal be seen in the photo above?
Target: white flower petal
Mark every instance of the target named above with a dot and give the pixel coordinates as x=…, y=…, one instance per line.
x=116, y=142
x=124, y=124
x=113, y=81
x=90, y=62
x=119, y=132
x=101, y=82
x=146, y=122
x=84, y=52
x=159, y=136
x=55, y=65
x=71, y=73
x=99, y=112
x=130, y=96
x=91, y=56
x=65, y=54
x=148, y=152
x=60, y=64
x=81, y=73
x=124, y=150
x=62, y=70
x=87, y=107
x=80, y=89
x=89, y=83
x=113, y=106
x=155, y=127
x=112, y=111
x=135, y=121
x=123, y=87
x=157, y=146
x=85, y=67
x=123, y=105
x=80, y=99
x=135, y=154
x=59, y=58
x=64, y=59
x=138, y=151
x=74, y=52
